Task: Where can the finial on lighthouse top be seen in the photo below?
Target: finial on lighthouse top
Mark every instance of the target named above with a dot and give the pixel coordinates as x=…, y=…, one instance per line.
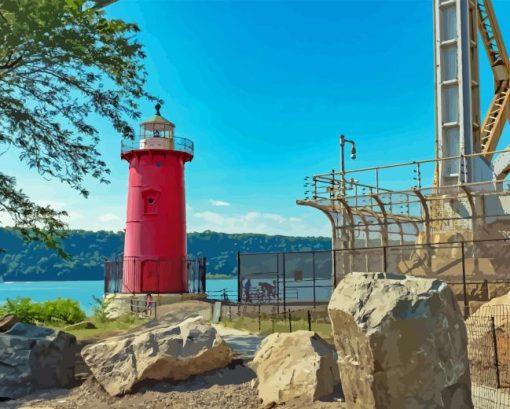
x=158, y=107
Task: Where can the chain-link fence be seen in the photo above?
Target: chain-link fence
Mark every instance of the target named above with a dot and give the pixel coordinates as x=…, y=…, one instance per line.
x=489, y=356
x=476, y=270
x=285, y=279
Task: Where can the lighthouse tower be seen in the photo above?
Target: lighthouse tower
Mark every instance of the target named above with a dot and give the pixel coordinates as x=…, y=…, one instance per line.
x=155, y=241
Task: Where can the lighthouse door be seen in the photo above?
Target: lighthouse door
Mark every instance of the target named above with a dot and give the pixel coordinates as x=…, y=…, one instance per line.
x=150, y=276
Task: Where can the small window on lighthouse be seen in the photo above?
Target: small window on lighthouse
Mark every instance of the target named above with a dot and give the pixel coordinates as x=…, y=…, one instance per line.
x=150, y=201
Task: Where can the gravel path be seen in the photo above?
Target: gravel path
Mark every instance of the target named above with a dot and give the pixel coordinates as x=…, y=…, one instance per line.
x=242, y=343
x=229, y=388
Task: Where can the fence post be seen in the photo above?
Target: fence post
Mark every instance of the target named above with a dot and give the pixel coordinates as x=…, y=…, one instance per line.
x=260, y=322
x=334, y=268
x=239, y=283
x=204, y=275
x=313, y=277
x=277, y=283
x=290, y=321
x=309, y=321
x=284, y=284
x=464, y=285
x=495, y=344
x=385, y=261
x=106, y=279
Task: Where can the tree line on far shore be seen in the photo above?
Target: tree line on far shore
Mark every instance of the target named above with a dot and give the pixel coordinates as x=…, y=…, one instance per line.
x=21, y=261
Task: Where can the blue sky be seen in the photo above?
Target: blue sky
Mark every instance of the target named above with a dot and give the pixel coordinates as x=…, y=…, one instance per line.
x=264, y=89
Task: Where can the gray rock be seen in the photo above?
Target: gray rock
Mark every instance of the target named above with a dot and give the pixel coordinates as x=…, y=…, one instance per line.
x=80, y=325
x=33, y=357
x=401, y=343
x=162, y=352
x=7, y=321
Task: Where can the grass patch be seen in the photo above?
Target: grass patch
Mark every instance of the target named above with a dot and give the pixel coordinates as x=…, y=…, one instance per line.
x=269, y=325
x=62, y=312
x=105, y=328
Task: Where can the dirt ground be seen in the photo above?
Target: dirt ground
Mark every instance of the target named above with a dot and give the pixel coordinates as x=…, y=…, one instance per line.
x=229, y=388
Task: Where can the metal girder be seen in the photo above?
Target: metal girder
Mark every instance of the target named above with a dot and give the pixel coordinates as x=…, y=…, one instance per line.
x=426, y=213
x=460, y=130
x=495, y=48
x=457, y=90
x=501, y=165
x=384, y=226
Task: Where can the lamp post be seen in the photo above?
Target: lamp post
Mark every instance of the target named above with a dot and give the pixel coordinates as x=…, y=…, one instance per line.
x=343, y=141
x=345, y=259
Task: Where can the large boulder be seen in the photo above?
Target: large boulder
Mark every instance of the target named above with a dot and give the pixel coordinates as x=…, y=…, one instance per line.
x=299, y=364
x=33, y=357
x=161, y=352
x=401, y=343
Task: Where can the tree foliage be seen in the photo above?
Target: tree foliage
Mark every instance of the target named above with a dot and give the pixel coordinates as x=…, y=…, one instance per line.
x=88, y=250
x=62, y=65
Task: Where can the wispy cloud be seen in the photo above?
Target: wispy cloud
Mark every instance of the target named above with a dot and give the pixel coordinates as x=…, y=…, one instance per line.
x=219, y=203
x=256, y=222
x=109, y=217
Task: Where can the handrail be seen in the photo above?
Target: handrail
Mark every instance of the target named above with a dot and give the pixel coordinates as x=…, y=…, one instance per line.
x=419, y=162
x=179, y=144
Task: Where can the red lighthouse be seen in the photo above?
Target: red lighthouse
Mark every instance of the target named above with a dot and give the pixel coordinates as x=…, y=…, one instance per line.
x=155, y=240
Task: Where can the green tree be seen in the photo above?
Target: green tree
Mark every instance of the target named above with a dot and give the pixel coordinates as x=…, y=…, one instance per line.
x=62, y=63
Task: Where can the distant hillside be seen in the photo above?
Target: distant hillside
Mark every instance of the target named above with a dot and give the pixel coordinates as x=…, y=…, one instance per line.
x=31, y=262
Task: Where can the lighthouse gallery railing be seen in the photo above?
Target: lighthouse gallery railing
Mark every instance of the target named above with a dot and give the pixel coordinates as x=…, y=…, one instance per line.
x=179, y=144
x=113, y=271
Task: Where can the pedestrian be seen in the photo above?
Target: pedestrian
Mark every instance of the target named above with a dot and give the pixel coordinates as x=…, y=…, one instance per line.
x=148, y=304
x=247, y=288
x=267, y=289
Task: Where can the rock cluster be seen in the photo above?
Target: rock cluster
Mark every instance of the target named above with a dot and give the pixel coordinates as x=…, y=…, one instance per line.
x=161, y=352
x=299, y=364
x=401, y=343
x=33, y=357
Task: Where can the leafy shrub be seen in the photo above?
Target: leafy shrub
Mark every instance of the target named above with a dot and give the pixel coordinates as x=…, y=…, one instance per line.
x=23, y=308
x=99, y=309
x=62, y=310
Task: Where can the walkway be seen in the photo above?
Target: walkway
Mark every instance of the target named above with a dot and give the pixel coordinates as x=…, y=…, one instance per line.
x=244, y=344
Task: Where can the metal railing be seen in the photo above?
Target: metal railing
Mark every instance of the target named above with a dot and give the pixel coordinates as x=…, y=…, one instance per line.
x=127, y=274
x=176, y=144
x=367, y=180
x=142, y=307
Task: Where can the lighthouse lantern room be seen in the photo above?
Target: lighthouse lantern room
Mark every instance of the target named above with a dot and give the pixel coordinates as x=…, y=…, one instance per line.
x=154, y=259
